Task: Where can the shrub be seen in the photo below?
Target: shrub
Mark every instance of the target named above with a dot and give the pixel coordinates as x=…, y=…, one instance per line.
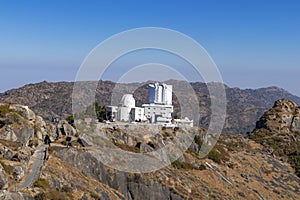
x=182, y=165
x=198, y=140
x=70, y=119
x=68, y=190
x=126, y=147
x=202, y=167
x=56, y=195
x=94, y=195
x=40, y=196
x=7, y=168
x=50, y=150
x=42, y=183
x=4, y=109
x=231, y=165
x=296, y=163
x=215, y=156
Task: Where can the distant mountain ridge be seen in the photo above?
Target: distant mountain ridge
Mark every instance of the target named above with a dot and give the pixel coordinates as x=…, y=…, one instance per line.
x=244, y=106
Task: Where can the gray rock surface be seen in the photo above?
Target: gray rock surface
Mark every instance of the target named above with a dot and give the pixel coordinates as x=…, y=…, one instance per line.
x=133, y=186
x=24, y=110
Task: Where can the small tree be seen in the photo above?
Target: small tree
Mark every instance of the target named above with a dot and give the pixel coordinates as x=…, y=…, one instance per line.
x=70, y=119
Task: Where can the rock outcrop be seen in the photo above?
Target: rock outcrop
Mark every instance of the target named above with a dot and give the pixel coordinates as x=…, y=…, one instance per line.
x=279, y=132
x=17, y=123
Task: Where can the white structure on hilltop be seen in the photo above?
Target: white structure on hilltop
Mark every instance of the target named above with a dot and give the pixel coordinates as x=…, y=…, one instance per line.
x=159, y=93
x=126, y=110
x=159, y=108
x=158, y=114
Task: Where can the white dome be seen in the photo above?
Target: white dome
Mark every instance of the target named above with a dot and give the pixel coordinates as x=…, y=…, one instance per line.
x=128, y=101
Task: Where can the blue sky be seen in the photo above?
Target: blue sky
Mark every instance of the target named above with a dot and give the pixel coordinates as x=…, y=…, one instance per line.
x=254, y=43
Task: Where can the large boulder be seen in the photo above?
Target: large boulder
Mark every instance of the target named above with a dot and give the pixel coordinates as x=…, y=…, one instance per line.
x=284, y=117
x=24, y=110
x=64, y=128
x=40, y=129
x=17, y=123
x=69, y=130
x=53, y=132
x=8, y=134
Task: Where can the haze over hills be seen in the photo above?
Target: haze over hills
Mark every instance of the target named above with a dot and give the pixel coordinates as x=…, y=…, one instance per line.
x=244, y=106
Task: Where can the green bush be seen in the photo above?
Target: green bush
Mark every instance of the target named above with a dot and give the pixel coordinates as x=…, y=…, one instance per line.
x=70, y=119
x=42, y=183
x=4, y=109
x=231, y=165
x=202, y=167
x=296, y=163
x=198, y=140
x=182, y=165
x=215, y=156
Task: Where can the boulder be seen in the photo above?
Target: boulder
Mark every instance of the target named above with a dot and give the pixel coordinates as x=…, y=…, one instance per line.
x=13, y=196
x=296, y=124
x=8, y=134
x=24, y=110
x=69, y=130
x=53, y=132
x=17, y=124
x=8, y=153
x=40, y=129
x=64, y=128
x=19, y=172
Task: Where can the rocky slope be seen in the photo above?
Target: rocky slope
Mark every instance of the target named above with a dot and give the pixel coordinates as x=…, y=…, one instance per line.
x=236, y=168
x=278, y=130
x=244, y=106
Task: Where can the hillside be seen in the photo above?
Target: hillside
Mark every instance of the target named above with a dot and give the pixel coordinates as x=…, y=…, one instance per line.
x=244, y=106
x=278, y=130
x=236, y=168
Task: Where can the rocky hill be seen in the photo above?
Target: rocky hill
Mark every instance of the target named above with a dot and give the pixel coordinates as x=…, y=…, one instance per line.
x=278, y=130
x=70, y=168
x=244, y=106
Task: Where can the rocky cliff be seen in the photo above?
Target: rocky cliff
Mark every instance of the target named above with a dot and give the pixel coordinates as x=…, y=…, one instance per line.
x=278, y=130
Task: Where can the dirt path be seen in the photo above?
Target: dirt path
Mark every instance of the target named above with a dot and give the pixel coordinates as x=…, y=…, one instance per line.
x=34, y=172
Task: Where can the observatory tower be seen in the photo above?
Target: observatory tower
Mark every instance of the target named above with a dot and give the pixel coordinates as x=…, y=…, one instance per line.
x=159, y=93
x=159, y=108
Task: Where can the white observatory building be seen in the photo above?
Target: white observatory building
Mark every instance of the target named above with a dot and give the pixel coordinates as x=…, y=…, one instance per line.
x=126, y=110
x=159, y=108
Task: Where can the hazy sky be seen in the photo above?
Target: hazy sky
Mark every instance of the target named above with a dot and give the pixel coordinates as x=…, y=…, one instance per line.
x=254, y=43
